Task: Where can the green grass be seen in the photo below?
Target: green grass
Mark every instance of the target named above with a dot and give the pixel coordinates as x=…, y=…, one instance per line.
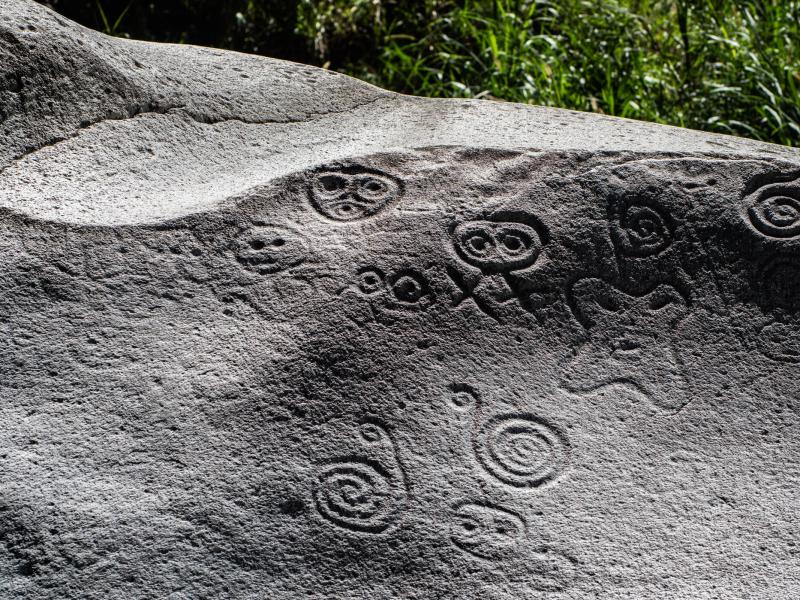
x=729, y=66
x=725, y=66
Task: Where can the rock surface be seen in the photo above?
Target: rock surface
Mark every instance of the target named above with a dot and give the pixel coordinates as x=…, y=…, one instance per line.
x=270, y=332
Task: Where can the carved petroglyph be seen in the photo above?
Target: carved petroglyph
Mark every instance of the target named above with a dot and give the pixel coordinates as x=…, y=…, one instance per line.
x=363, y=492
x=780, y=342
x=404, y=289
x=486, y=531
x=270, y=248
x=492, y=533
x=352, y=193
x=521, y=450
x=630, y=342
x=641, y=230
x=490, y=252
x=497, y=247
x=774, y=209
x=518, y=449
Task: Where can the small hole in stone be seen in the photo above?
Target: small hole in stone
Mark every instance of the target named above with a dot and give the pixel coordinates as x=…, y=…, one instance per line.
x=257, y=244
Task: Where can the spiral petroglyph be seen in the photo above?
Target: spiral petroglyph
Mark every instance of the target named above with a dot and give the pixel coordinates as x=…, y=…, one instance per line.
x=361, y=493
x=355, y=494
x=642, y=231
x=521, y=450
x=774, y=209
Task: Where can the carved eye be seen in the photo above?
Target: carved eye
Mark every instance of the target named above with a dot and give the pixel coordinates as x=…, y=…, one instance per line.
x=479, y=244
x=370, y=282
x=461, y=399
x=608, y=303
x=407, y=289
x=370, y=432
x=515, y=243
x=505, y=528
x=777, y=216
x=265, y=244
x=332, y=183
x=372, y=187
x=469, y=527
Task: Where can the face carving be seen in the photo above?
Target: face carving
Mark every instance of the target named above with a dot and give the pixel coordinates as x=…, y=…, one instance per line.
x=270, y=248
x=497, y=247
x=352, y=194
x=485, y=531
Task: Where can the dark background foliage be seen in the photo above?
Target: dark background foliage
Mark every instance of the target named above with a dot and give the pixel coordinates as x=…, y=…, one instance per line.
x=730, y=66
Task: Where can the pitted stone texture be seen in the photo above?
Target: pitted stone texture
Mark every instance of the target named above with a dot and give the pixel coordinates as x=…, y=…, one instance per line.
x=545, y=372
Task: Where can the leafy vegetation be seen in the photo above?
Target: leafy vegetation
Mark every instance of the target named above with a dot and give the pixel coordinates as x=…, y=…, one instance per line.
x=730, y=66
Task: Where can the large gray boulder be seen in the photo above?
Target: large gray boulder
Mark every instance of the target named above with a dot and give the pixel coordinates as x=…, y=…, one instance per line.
x=271, y=332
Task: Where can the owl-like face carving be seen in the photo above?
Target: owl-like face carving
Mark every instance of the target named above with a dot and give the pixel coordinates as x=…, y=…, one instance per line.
x=351, y=194
x=497, y=246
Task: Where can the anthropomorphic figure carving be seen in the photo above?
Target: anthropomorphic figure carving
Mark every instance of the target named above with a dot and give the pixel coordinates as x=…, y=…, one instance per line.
x=630, y=342
x=495, y=249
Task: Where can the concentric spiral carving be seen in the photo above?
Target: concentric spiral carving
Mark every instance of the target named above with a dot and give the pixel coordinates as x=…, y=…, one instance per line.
x=521, y=450
x=362, y=493
x=642, y=231
x=355, y=494
x=774, y=210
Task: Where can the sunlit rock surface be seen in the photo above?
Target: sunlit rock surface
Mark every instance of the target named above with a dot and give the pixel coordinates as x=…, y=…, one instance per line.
x=270, y=332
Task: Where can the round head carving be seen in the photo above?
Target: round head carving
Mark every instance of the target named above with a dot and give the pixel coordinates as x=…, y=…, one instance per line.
x=497, y=247
x=352, y=194
x=270, y=248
